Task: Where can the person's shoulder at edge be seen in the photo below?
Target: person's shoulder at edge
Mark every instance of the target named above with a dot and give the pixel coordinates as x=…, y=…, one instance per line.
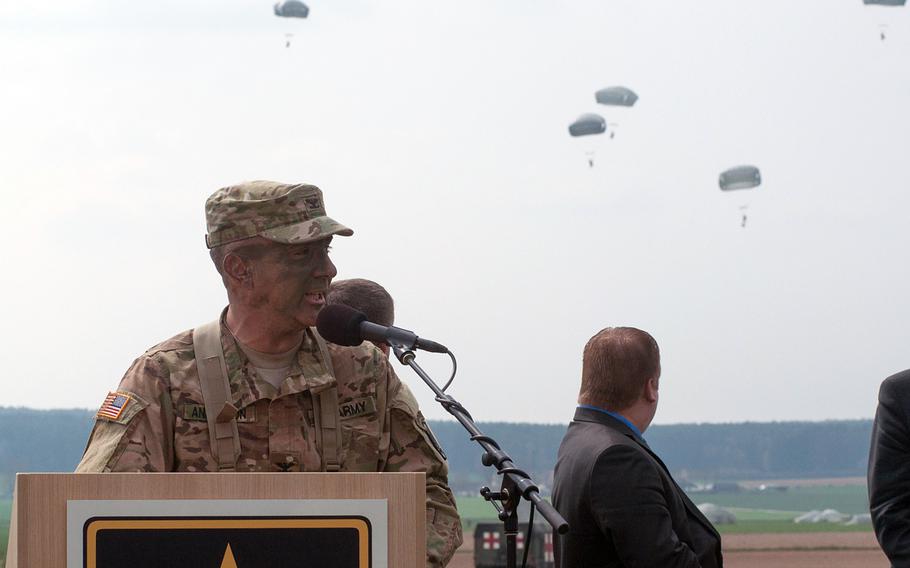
x=895, y=386
x=900, y=379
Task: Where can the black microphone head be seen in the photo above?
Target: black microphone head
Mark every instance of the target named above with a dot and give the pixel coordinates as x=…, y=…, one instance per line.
x=340, y=324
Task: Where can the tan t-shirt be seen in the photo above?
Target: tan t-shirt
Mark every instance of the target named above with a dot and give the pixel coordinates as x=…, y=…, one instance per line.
x=273, y=368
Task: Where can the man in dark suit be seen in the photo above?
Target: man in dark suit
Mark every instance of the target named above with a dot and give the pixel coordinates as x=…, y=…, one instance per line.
x=622, y=505
x=889, y=469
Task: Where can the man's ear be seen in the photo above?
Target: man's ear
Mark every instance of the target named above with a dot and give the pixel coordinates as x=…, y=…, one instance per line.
x=651, y=389
x=237, y=270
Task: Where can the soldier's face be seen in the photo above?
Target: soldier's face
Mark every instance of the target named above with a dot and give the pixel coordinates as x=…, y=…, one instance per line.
x=290, y=282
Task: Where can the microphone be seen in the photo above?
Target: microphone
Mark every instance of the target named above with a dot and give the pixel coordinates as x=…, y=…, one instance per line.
x=343, y=325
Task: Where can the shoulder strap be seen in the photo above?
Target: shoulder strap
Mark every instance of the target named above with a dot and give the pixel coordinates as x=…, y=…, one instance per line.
x=167, y=415
x=327, y=413
x=216, y=393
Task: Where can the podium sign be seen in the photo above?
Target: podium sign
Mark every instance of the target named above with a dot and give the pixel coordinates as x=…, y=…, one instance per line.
x=350, y=533
x=226, y=520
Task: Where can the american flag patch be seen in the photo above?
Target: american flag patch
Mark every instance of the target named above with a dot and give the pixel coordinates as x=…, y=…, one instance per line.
x=113, y=405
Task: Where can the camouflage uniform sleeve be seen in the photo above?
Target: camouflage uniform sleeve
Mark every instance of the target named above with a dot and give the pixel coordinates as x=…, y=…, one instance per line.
x=135, y=440
x=414, y=448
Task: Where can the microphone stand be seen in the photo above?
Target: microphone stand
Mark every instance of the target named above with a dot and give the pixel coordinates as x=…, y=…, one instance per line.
x=516, y=484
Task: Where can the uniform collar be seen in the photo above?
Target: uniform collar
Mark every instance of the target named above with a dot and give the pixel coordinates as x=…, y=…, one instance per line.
x=309, y=373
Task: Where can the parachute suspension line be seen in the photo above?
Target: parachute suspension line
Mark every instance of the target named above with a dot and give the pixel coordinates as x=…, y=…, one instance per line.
x=740, y=178
x=588, y=124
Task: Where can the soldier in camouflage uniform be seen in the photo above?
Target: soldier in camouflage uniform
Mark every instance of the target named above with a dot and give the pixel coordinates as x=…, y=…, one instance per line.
x=270, y=244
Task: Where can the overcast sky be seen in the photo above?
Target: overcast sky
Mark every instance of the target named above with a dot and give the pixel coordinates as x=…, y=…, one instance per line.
x=438, y=131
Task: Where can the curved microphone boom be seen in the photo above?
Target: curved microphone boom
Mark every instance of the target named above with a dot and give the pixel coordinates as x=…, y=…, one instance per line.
x=346, y=326
x=343, y=325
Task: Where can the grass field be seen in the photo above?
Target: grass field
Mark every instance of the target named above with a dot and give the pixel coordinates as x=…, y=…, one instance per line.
x=5, y=505
x=752, y=521
x=756, y=512
x=850, y=499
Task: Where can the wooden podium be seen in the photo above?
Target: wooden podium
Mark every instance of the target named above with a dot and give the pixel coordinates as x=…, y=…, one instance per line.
x=39, y=534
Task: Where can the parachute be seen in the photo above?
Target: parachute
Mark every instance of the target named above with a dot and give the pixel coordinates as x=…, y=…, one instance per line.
x=882, y=27
x=616, y=96
x=740, y=177
x=291, y=9
x=587, y=124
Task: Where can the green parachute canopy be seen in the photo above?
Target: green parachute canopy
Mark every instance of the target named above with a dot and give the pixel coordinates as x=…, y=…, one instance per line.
x=740, y=177
x=587, y=124
x=291, y=9
x=616, y=96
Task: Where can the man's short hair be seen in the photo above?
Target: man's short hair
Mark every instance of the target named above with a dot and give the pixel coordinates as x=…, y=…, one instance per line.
x=365, y=296
x=617, y=363
x=248, y=249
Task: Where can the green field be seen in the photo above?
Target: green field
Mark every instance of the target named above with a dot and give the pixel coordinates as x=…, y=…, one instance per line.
x=850, y=499
x=756, y=512
x=765, y=521
x=5, y=505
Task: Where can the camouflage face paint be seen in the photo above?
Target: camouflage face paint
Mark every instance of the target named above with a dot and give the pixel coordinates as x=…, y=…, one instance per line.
x=290, y=282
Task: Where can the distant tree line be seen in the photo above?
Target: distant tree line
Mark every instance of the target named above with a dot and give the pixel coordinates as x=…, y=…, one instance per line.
x=41, y=440
x=53, y=440
x=693, y=452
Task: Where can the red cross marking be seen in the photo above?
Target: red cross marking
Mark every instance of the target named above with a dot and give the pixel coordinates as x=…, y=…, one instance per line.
x=490, y=540
x=548, y=547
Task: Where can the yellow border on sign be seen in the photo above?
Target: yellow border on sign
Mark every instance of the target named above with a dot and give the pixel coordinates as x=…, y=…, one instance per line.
x=93, y=527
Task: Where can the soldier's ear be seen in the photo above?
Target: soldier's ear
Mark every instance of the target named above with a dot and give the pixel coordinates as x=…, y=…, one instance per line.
x=238, y=270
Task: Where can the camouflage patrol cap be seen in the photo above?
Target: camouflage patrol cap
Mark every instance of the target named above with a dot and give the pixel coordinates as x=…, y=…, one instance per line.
x=280, y=212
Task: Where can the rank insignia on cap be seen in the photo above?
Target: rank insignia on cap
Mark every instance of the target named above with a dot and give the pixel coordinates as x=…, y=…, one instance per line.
x=114, y=405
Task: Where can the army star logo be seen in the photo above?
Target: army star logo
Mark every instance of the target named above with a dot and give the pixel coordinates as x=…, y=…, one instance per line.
x=228, y=560
x=341, y=541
